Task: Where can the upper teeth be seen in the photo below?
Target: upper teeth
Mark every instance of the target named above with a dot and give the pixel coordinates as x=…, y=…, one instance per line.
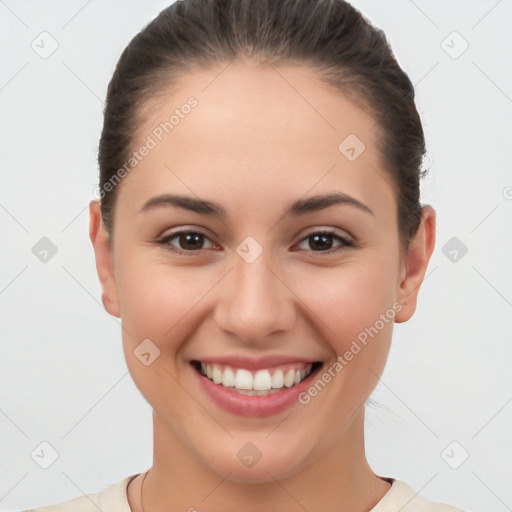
x=262, y=380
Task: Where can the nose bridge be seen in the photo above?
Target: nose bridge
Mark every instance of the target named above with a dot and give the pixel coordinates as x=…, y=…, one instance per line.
x=256, y=303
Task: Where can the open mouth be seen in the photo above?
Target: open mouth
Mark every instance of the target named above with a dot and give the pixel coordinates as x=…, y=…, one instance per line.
x=257, y=383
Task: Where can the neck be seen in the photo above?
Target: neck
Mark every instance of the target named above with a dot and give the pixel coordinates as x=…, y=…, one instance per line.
x=340, y=480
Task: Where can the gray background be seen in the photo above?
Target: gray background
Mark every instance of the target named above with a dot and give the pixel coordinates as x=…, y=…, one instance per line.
x=63, y=378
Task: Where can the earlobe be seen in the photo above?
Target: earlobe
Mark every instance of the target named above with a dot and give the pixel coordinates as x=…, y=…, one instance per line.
x=103, y=254
x=415, y=264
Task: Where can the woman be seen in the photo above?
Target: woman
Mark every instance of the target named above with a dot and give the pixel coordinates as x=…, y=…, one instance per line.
x=259, y=232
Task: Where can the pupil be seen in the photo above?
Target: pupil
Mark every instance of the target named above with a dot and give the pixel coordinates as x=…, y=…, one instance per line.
x=190, y=239
x=323, y=237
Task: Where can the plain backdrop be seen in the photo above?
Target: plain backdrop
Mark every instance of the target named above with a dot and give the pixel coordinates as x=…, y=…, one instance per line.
x=445, y=414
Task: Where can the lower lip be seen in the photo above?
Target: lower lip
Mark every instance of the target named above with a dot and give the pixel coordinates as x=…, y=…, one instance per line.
x=253, y=406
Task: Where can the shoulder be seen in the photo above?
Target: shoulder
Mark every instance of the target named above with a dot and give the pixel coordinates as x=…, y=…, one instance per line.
x=112, y=499
x=401, y=496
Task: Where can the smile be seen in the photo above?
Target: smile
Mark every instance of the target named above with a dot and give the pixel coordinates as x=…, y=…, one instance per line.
x=256, y=383
x=253, y=387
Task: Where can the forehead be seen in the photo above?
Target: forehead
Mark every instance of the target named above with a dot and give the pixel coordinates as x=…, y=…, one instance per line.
x=261, y=128
x=267, y=101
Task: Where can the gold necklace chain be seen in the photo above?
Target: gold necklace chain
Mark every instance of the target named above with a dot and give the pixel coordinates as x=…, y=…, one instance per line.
x=145, y=475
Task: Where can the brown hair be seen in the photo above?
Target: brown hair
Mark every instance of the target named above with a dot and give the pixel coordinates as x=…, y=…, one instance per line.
x=331, y=36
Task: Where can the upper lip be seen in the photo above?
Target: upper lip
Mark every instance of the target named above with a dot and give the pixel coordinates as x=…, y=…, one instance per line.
x=252, y=363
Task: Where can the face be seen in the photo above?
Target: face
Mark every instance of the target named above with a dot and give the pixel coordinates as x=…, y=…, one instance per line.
x=266, y=288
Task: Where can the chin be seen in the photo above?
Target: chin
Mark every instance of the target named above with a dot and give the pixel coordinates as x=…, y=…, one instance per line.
x=248, y=464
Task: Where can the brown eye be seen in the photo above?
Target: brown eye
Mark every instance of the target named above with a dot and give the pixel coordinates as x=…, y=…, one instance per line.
x=186, y=241
x=322, y=242
x=190, y=241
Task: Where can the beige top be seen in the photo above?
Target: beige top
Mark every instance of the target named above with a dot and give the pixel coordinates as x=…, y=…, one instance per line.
x=400, y=497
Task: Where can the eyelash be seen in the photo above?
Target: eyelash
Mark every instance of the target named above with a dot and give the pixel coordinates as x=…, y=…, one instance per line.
x=346, y=242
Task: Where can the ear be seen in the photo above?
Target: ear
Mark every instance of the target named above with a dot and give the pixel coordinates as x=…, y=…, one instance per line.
x=103, y=254
x=415, y=262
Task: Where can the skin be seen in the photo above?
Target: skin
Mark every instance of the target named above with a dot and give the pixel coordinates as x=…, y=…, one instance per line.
x=254, y=144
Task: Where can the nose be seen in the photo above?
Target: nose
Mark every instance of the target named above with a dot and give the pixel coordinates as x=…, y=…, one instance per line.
x=255, y=302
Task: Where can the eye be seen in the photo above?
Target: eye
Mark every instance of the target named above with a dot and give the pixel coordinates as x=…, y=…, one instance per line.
x=323, y=241
x=192, y=242
x=188, y=242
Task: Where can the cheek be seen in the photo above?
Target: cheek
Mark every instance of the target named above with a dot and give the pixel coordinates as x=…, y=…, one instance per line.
x=353, y=307
x=348, y=299
x=156, y=298
x=158, y=304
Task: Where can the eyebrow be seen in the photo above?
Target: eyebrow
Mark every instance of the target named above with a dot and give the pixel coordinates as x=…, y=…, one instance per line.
x=297, y=208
